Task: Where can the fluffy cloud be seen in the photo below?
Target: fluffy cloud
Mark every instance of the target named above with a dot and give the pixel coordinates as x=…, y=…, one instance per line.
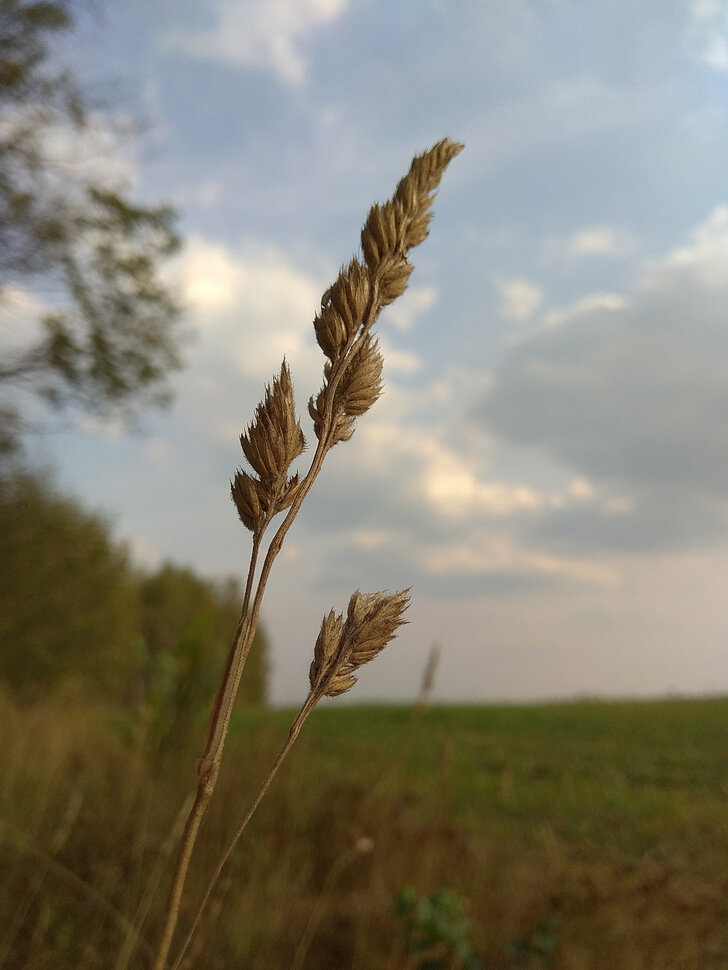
x=633, y=396
x=415, y=301
x=709, y=23
x=250, y=308
x=584, y=306
x=404, y=503
x=519, y=299
x=261, y=34
x=600, y=241
x=20, y=312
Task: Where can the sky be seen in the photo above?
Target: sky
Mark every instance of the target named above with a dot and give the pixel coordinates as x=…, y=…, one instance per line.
x=547, y=467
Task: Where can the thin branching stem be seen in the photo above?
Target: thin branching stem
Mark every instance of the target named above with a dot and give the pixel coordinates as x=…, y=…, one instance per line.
x=293, y=733
x=209, y=763
x=271, y=443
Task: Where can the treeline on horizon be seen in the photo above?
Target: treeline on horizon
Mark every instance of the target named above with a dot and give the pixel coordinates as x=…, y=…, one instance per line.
x=77, y=614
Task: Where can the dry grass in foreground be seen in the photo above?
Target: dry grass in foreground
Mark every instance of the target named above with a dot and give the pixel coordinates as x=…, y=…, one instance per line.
x=609, y=817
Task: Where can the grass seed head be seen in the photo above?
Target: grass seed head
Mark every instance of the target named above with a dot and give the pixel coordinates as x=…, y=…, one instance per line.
x=361, y=383
x=372, y=620
x=352, y=304
x=272, y=441
x=274, y=438
x=343, y=307
x=328, y=644
x=250, y=498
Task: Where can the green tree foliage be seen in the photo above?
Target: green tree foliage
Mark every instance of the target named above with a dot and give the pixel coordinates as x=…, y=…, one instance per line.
x=186, y=626
x=67, y=602
x=72, y=607
x=105, y=338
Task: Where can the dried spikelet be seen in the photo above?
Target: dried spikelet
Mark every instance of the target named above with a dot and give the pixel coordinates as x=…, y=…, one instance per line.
x=289, y=493
x=327, y=647
x=271, y=443
x=393, y=281
x=343, y=307
x=251, y=499
x=418, y=230
x=358, y=389
x=415, y=190
x=372, y=620
x=361, y=383
x=340, y=684
x=274, y=439
x=379, y=235
x=351, y=305
x=330, y=331
x=343, y=428
x=395, y=227
x=342, y=424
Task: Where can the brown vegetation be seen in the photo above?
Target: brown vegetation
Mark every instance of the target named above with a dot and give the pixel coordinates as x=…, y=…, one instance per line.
x=627, y=847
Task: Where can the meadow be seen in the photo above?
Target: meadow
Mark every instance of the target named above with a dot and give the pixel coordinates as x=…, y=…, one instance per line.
x=573, y=835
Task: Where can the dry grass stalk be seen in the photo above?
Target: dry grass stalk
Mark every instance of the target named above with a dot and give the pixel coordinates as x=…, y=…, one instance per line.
x=272, y=442
x=428, y=676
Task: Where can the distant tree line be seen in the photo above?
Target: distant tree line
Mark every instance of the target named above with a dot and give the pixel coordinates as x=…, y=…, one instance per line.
x=75, y=611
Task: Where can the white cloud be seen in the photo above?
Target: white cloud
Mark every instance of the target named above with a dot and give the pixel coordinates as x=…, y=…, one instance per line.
x=251, y=307
x=111, y=429
x=411, y=305
x=446, y=481
x=632, y=393
x=210, y=277
x=710, y=32
x=20, y=312
x=600, y=241
x=603, y=241
x=587, y=304
x=262, y=34
x=519, y=299
x=704, y=258
x=503, y=557
x=398, y=361
x=370, y=538
x=716, y=54
x=453, y=489
x=580, y=488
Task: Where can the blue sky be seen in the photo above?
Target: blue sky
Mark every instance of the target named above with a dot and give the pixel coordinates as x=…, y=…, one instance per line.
x=548, y=465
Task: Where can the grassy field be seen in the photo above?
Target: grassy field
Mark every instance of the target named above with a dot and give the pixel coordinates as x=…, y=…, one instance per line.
x=580, y=835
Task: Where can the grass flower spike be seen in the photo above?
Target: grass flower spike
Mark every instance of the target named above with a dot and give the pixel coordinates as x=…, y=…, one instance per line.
x=352, y=383
x=271, y=443
x=372, y=620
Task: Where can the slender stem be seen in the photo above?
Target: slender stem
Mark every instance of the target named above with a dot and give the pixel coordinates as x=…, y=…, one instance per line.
x=209, y=764
x=227, y=688
x=205, y=789
x=295, y=730
x=135, y=928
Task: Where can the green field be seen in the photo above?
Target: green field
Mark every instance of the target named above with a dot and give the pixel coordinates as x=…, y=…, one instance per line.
x=578, y=835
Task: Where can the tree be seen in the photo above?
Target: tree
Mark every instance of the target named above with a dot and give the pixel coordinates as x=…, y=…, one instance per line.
x=67, y=599
x=104, y=337
x=72, y=606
